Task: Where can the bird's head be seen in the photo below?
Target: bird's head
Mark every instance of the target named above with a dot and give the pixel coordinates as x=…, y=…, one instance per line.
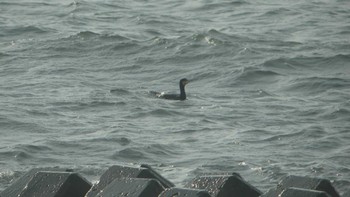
x=184, y=81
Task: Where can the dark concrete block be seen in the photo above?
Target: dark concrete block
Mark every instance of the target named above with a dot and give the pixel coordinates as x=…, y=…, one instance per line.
x=297, y=192
x=132, y=188
x=303, y=183
x=225, y=186
x=180, y=192
x=21, y=183
x=165, y=183
x=48, y=184
x=118, y=172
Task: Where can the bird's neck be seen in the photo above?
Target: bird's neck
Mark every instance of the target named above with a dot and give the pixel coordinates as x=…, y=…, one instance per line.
x=182, y=92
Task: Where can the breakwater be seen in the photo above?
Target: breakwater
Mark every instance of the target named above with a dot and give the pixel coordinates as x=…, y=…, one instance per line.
x=143, y=181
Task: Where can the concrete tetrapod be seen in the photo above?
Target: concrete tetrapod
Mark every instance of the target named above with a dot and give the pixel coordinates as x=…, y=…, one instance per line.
x=119, y=172
x=48, y=184
x=303, y=183
x=132, y=187
x=182, y=192
x=225, y=186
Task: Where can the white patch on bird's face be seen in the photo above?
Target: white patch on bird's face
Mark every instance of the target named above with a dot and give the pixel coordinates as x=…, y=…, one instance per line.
x=185, y=82
x=160, y=94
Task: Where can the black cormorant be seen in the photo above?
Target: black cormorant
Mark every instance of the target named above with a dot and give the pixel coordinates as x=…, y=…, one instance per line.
x=181, y=96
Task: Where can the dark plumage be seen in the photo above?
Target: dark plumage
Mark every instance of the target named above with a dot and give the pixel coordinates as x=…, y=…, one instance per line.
x=181, y=96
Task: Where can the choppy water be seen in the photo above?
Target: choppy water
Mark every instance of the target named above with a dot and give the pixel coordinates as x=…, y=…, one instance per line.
x=269, y=93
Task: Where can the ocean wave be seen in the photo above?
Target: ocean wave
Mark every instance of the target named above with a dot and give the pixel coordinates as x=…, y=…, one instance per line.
x=254, y=75
x=126, y=48
x=337, y=113
x=164, y=150
x=120, y=91
x=217, y=6
x=31, y=148
x=328, y=62
x=28, y=30
x=4, y=54
x=85, y=42
x=129, y=154
x=18, y=155
x=279, y=138
x=91, y=35
x=215, y=37
x=150, y=152
x=83, y=6
x=102, y=103
x=317, y=85
x=328, y=143
x=85, y=35
x=14, y=124
x=93, y=139
x=25, y=4
x=283, y=65
x=62, y=108
x=163, y=113
x=304, y=64
x=255, y=135
x=123, y=141
x=280, y=11
x=210, y=40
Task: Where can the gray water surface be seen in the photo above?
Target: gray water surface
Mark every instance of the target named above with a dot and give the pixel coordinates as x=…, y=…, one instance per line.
x=269, y=94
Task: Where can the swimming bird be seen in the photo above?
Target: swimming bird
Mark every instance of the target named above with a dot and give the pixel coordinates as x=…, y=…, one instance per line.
x=181, y=96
